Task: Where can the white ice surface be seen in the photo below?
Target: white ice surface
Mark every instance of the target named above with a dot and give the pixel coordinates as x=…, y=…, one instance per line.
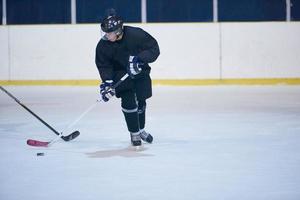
x=221, y=142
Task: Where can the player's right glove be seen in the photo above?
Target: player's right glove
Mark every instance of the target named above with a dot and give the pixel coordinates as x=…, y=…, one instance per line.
x=106, y=90
x=134, y=66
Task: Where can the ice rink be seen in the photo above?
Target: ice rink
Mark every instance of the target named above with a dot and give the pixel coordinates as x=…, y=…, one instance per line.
x=210, y=143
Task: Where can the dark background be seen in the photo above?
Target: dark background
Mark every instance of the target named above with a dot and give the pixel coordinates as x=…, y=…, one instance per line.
x=92, y=11
x=0, y=11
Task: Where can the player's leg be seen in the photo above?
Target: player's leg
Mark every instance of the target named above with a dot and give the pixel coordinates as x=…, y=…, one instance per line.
x=142, y=120
x=130, y=111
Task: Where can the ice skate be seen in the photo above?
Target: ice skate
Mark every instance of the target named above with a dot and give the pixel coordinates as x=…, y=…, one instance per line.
x=136, y=139
x=146, y=136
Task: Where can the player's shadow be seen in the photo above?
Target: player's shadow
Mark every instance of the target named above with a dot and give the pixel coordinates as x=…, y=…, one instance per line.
x=129, y=152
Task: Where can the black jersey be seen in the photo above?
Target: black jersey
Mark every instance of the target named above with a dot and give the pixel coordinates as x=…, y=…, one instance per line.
x=112, y=57
x=112, y=60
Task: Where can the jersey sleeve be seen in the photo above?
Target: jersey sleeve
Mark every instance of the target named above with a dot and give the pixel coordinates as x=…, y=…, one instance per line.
x=150, y=49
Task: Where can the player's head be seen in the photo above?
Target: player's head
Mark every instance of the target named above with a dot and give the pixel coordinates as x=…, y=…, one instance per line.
x=112, y=26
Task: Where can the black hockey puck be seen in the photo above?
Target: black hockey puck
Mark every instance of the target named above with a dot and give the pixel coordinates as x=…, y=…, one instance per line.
x=40, y=154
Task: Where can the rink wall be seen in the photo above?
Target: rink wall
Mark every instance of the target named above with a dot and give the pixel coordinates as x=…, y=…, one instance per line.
x=191, y=53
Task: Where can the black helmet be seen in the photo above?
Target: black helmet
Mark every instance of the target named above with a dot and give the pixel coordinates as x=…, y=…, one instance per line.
x=112, y=23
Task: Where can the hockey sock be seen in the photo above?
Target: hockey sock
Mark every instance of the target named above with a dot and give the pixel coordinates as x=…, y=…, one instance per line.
x=132, y=119
x=130, y=111
x=142, y=113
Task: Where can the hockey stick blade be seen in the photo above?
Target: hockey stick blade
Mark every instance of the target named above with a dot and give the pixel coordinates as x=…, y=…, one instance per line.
x=37, y=143
x=70, y=137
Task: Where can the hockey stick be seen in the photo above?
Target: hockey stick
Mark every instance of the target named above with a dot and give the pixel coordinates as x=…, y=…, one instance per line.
x=38, y=143
x=49, y=143
x=66, y=138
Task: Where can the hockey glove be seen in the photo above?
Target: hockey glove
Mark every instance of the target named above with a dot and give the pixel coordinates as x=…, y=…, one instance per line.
x=106, y=90
x=134, y=66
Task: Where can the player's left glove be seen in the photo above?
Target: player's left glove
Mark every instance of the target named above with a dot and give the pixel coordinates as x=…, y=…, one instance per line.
x=134, y=66
x=106, y=90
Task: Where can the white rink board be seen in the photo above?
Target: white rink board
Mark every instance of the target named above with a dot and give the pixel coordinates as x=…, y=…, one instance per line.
x=259, y=50
x=53, y=52
x=4, y=54
x=188, y=51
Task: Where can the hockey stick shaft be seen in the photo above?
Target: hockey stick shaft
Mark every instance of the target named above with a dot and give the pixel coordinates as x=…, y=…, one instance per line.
x=73, y=123
x=93, y=105
x=38, y=143
x=49, y=143
x=120, y=81
x=30, y=111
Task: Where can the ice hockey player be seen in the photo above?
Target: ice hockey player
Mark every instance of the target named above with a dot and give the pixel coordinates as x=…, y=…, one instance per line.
x=121, y=50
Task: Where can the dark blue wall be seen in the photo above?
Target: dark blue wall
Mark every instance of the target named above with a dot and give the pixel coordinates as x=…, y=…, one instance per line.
x=180, y=11
x=91, y=11
x=252, y=10
x=295, y=10
x=38, y=11
x=1, y=12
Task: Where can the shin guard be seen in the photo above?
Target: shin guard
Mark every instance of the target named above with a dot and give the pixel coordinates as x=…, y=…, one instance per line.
x=132, y=119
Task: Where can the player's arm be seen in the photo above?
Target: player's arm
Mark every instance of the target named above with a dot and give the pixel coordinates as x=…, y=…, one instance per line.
x=150, y=49
x=103, y=63
x=106, y=73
